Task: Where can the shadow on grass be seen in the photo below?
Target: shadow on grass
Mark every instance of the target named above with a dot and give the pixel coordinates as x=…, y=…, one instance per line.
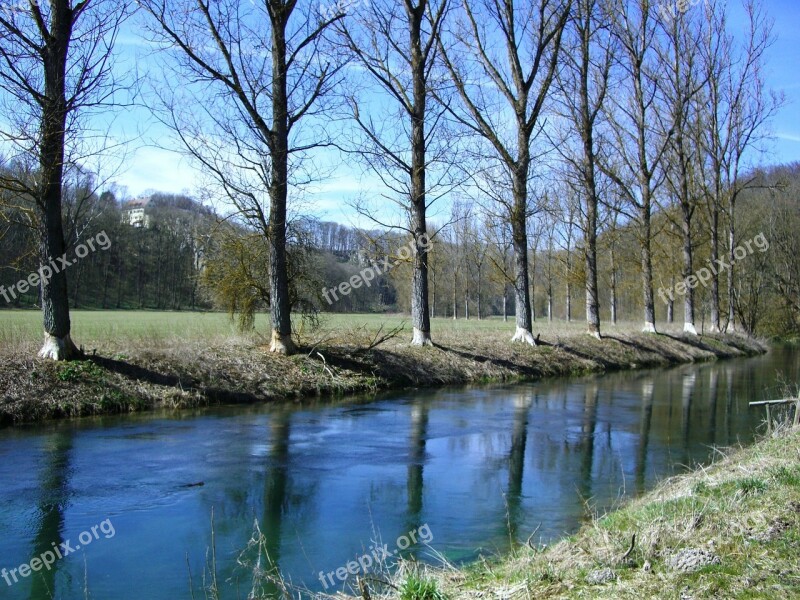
x=526, y=370
x=212, y=395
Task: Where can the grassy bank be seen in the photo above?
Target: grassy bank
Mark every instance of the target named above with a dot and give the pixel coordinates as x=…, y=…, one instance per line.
x=731, y=530
x=143, y=360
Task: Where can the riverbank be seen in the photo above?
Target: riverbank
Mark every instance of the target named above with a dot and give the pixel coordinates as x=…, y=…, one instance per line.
x=121, y=374
x=730, y=530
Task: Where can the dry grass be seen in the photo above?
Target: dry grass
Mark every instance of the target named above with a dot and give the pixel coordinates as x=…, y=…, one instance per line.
x=137, y=361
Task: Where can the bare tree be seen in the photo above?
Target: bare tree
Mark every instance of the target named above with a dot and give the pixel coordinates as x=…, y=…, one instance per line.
x=735, y=108
x=503, y=87
x=634, y=155
x=395, y=43
x=57, y=67
x=500, y=256
x=583, y=85
x=682, y=80
x=255, y=80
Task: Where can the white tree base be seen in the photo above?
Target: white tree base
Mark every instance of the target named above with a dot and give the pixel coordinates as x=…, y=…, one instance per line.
x=689, y=328
x=282, y=344
x=649, y=328
x=421, y=338
x=56, y=348
x=596, y=335
x=524, y=336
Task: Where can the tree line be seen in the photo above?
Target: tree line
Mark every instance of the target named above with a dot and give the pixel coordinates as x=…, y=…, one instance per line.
x=553, y=123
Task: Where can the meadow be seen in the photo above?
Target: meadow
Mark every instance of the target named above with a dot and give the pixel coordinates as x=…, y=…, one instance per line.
x=20, y=330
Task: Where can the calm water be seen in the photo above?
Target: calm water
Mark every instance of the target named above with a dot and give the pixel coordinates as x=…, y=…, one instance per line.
x=477, y=466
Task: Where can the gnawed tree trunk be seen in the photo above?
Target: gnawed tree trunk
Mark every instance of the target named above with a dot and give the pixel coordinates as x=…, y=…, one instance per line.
x=280, y=303
x=420, y=309
x=519, y=234
x=58, y=344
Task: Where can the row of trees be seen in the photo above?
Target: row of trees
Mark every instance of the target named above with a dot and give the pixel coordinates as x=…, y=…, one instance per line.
x=186, y=258
x=495, y=101
x=505, y=102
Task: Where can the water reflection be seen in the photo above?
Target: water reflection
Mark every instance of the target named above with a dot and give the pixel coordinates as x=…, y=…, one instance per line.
x=275, y=492
x=588, y=427
x=483, y=467
x=645, y=422
x=53, y=503
x=416, y=463
x=516, y=463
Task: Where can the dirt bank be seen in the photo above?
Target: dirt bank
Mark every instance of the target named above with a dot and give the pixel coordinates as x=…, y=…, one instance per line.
x=239, y=370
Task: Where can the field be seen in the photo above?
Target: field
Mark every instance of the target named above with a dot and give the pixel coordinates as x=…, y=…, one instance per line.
x=20, y=331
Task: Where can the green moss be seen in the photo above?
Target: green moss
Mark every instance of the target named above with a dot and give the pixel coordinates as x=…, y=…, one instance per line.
x=80, y=371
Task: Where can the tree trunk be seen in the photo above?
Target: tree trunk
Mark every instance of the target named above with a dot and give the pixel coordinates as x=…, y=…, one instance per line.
x=716, y=326
x=533, y=284
x=480, y=293
x=671, y=305
x=688, y=271
x=590, y=178
x=58, y=344
x=687, y=210
x=420, y=309
x=106, y=278
x=280, y=304
x=569, y=302
x=519, y=233
x=647, y=266
x=455, y=296
x=613, y=287
x=433, y=294
x=731, y=262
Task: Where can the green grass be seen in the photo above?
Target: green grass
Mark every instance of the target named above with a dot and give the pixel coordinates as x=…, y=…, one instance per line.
x=22, y=329
x=419, y=588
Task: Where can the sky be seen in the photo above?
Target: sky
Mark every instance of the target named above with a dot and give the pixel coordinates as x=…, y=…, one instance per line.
x=150, y=166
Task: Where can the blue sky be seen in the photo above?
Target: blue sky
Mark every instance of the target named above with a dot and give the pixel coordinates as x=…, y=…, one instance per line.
x=783, y=74
x=149, y=167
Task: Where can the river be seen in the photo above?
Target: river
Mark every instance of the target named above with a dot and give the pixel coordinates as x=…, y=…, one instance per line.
x=467, y=470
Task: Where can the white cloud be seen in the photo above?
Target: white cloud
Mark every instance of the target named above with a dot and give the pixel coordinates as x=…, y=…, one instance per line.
x=157, y=169
x=788, y=137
